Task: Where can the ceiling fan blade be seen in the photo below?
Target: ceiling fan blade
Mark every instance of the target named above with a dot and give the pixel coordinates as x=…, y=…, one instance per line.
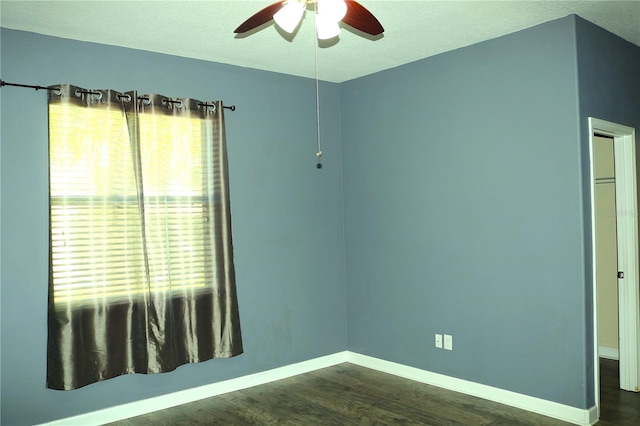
x=262, y=17
x=361, y=19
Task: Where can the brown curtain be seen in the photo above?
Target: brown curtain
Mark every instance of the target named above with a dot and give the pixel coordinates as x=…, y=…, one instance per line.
x=141, y=275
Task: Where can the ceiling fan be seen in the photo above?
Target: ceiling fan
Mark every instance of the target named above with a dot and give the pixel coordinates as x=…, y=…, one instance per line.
x=288, y=14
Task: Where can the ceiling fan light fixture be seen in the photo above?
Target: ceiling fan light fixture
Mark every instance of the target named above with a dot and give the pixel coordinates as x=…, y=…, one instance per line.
x=334, y=9
x=326, y=27
x=290, y=15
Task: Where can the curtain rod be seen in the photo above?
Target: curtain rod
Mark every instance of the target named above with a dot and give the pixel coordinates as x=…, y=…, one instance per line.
x=30, y=86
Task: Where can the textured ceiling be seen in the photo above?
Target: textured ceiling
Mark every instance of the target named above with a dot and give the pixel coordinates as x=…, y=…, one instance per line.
x=204, y=29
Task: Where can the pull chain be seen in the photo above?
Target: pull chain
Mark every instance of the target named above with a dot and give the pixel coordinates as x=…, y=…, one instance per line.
x=319, y=152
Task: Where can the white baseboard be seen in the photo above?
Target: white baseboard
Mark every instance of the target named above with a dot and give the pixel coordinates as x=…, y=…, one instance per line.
x=145, y=406
x=548, y=408
x=608, y=353
x=593, y=415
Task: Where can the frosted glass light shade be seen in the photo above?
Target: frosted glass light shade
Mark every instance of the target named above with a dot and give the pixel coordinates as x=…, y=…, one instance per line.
x=334, y=9
x=289, y=16
x=326, y=27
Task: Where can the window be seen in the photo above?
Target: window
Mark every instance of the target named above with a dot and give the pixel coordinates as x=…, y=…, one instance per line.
x=104, y=237
x=141, y=273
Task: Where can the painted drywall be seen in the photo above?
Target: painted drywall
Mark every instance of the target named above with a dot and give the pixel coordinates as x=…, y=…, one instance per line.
x=287, y=216
x=464, y=216
x=608, y=77
x=609, y=90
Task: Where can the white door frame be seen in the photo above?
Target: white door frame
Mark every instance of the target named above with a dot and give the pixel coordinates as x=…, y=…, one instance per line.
x=627, y=233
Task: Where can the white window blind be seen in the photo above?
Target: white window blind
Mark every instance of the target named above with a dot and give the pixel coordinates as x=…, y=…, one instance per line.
x=108, y=239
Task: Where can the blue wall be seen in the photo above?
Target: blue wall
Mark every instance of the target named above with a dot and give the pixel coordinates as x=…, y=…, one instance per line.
x=608, y=74
x=463, y=214
x=287, y=216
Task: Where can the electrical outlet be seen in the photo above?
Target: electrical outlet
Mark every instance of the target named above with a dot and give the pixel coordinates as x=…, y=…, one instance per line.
x=448, y=342
x=439, y=341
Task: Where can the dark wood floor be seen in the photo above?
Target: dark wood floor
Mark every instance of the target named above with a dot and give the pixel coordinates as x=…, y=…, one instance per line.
x=617, y=407
x=348, y=394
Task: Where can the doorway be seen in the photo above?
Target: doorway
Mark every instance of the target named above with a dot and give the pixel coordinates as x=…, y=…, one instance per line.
x=606, y=247
x=626, y=216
